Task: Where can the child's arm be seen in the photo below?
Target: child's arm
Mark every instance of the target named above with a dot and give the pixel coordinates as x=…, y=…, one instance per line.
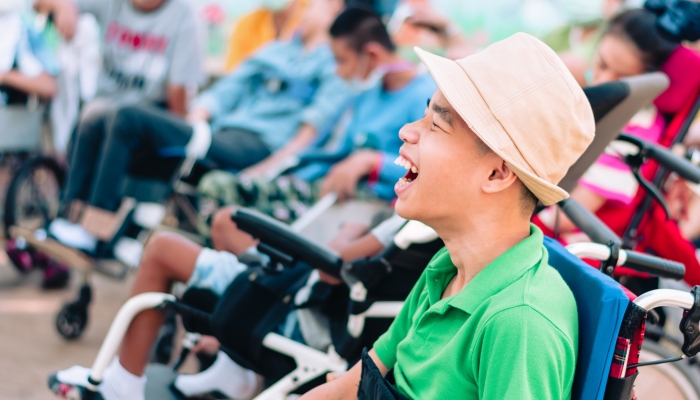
x=346, y=386
x=352, y=242
x=65, y=15
x=42, y=85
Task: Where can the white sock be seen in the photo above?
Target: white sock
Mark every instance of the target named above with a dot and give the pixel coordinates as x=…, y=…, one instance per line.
x=120, y=384
x=224, y=376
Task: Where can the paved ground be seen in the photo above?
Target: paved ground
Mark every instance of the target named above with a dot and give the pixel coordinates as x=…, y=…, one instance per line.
x=30, y=347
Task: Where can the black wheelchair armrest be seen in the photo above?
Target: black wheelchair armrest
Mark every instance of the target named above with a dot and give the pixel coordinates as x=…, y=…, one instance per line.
x=285, y=243
x=321, y=157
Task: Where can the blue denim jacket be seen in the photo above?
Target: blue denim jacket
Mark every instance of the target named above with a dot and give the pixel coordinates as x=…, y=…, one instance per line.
x=377, y=117
x=278, y=89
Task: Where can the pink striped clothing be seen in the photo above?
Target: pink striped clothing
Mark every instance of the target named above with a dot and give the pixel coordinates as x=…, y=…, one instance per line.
x=609, y=176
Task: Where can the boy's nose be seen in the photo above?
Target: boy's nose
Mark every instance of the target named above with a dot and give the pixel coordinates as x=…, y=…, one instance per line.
x=409, y=133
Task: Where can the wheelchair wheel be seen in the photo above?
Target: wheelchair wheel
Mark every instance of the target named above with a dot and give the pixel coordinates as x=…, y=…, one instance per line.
x=72, y=320
x=33, y=194
x=671, y=381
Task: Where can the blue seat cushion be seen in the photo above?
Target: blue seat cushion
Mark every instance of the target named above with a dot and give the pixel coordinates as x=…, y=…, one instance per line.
x=601, y=305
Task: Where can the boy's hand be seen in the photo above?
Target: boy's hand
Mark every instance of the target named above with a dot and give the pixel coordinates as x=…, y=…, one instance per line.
x=65, y=15
x=197, y=115
x=345, y=175
x=262, y=168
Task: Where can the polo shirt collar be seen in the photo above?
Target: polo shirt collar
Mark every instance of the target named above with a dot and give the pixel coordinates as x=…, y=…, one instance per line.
x=499, y=274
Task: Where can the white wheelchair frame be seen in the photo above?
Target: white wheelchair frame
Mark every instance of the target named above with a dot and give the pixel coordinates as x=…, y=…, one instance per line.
x=312, y=363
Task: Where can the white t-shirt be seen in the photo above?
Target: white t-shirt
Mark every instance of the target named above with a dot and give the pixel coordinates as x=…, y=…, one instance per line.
x=144, y=53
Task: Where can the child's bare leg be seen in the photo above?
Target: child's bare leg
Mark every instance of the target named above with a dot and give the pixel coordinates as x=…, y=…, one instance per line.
x=225, y=235
x=167, y=258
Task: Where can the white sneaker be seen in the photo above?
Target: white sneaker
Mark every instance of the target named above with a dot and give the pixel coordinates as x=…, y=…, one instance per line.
x=224, y=379
x=73, y=235
x=117, y=384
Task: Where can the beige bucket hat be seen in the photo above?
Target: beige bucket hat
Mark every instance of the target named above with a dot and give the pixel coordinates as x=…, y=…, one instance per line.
x=520, y=99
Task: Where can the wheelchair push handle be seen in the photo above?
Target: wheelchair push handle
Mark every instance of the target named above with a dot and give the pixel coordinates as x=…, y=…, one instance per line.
x=684, y=168
x=653, y=265
x=588, y=223
x=631, y=259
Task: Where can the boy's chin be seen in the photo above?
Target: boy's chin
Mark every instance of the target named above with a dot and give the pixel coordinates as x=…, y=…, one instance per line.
x=407, y=209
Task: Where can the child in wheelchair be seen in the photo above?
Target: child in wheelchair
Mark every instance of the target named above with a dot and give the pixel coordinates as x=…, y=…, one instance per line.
x=269, y=108
x=27, y=70
x=485, y=304
x=26, y=67
x=362, y=168
x=632, y=44
x=366, y=142
x=497, y=239
x=172, y=258
x=632, y=34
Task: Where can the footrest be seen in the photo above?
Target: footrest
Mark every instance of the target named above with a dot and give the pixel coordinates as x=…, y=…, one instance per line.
x=54, y=249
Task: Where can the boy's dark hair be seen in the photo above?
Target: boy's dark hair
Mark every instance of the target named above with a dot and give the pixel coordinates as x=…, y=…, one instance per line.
x=638, y=26
x=360, y=26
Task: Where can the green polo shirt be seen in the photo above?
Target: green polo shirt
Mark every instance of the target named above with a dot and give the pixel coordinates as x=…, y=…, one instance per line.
x=511, y=333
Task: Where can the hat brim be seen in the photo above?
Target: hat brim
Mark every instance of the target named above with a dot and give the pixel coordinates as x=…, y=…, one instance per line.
x=464, y=97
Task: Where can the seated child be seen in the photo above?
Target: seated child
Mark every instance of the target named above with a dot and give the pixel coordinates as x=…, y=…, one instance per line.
x=489, y=318
x=150, y=51
x=392, y=94
x=269, y=108
x=169, y=257
x=26, y=67
x=631, y=45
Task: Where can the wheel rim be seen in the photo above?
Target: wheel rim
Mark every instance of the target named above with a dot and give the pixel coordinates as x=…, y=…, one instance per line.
x=69, y=325
x=666, y=379
x=37, y=198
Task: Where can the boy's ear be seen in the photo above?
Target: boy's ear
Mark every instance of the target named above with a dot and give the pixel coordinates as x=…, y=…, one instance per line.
x=373, y=50
x=501, y=177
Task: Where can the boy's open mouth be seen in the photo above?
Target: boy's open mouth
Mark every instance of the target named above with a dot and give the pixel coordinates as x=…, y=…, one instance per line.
x=412, y=172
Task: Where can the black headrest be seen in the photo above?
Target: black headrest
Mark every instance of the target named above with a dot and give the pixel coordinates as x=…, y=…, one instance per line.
x=605, y=97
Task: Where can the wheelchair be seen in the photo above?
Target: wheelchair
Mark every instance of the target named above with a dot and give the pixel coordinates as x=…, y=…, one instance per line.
x=613, y=105
x=33, y=192
x=155, y=197
x=603, y=305
x=644, y=225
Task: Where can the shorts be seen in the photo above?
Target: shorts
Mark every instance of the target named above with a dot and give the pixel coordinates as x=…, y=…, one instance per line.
x=215, y=270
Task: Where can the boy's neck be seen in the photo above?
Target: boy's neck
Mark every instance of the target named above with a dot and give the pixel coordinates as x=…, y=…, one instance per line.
x=279, y=19
x=476, y=241
x=396, y=80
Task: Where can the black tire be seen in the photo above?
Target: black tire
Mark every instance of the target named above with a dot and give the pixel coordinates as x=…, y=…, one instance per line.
x=681, y=374
x=162, y=352
x=72, y=320
x=38, y=206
